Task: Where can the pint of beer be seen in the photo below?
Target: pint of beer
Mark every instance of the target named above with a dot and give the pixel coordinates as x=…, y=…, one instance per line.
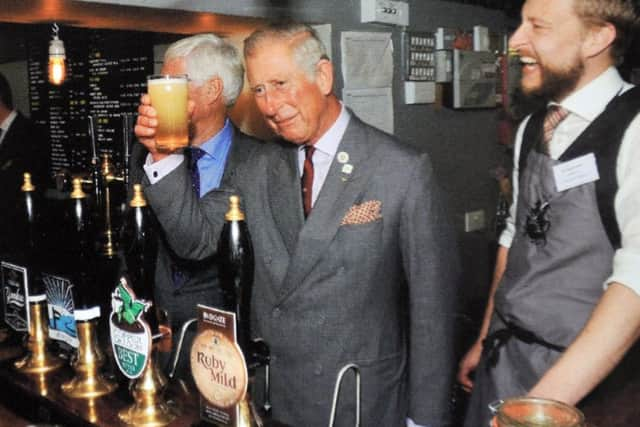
x=169, y=98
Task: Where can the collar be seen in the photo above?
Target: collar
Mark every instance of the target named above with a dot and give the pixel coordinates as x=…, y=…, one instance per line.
x=329, y=142
x=6, y=123
x=214, y=146
x=591, y=100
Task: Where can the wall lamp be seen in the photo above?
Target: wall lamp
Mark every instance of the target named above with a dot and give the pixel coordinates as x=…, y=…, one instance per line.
x=57, y=66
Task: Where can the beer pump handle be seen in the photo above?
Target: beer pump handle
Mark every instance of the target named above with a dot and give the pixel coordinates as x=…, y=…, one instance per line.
x=127, y=128
x=176, y=356
x=92, y=141
x=336, y=392
x=96, y=175
x=260, y=356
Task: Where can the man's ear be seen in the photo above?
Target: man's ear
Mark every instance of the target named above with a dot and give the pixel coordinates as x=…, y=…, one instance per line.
x=598, y=38
x=324, y=76
x=214, y=89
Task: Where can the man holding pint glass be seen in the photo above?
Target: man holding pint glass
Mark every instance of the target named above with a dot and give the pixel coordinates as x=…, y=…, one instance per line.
x=200, y=78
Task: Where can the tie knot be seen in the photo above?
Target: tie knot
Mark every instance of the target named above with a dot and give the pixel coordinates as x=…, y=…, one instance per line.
x=196, y=154
x=555, y=115
x=308, y=151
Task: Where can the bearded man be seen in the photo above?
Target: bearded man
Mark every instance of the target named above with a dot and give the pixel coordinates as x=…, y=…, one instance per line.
x=564, y=304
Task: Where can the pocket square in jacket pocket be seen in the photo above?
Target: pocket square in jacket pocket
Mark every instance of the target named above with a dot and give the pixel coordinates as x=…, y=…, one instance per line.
x=363, y=213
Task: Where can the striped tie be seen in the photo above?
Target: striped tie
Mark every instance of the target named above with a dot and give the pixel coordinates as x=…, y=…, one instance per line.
x=555, y=115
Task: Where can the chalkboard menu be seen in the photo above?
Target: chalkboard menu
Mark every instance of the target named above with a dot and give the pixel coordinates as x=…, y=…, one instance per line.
x=106, y=74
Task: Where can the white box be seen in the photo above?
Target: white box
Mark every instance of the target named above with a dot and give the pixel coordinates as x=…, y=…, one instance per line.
x=385, y=12
x=445, y=38
x=444, y=66
x=481, y=40
x=419, y=92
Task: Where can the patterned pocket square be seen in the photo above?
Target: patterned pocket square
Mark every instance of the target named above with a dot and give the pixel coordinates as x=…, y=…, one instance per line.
x=363, y=213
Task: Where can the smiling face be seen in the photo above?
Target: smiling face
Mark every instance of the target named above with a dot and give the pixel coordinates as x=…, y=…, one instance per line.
x=550, y=41
x=294, y=104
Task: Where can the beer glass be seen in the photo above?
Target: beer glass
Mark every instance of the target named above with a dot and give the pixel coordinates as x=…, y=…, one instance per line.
x=169, y=98
x=534, y=412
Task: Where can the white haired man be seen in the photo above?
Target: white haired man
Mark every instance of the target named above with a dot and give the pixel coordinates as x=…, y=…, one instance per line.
x=216, y=76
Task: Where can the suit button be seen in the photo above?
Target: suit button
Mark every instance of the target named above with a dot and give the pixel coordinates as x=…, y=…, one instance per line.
x=276, y=313
x=267, y=260
x=318, y=370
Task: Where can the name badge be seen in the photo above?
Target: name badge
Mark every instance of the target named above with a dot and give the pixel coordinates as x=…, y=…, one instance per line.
x=578, y=171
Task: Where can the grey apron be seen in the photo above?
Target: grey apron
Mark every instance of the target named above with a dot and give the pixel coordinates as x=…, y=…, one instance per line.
x=550, y=286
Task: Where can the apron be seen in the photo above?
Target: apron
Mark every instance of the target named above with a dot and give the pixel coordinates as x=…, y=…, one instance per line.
x=553, y=280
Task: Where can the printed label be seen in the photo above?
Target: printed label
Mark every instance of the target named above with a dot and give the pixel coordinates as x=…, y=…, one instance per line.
x=218, y=366
x=130, y=333
x=62, y=324
x=15, y=295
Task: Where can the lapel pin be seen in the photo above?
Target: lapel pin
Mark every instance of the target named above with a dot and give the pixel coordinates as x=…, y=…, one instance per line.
x=347, y=169
x=343, y=157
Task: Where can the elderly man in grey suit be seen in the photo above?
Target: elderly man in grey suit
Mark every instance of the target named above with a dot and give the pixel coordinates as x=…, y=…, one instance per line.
x=357, y=265
x=216, y=76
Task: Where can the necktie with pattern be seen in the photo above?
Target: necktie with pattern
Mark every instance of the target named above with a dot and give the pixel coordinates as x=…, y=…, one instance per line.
x=555, y=115
x=196, y=154
x=307, y=179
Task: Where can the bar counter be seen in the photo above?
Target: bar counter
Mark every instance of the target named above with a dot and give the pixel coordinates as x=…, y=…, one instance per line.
x=40, y=400
x=29, y=399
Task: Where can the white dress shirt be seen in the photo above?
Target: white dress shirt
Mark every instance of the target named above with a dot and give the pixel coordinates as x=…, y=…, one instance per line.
x=584, y=106
x=326, y=149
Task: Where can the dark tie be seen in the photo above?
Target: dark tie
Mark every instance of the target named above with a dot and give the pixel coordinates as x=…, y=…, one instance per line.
x=555, y=115
x=307, y=179
x=196, y=154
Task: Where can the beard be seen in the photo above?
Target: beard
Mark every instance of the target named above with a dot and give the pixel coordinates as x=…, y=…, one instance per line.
x=556, y=84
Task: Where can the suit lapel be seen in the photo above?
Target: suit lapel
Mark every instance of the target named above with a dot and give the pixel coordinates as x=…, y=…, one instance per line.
x=339, y=192
x=238, y=153
x=285, y=194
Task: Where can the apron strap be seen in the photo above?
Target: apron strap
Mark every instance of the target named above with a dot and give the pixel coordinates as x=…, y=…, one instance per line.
x=498, y=338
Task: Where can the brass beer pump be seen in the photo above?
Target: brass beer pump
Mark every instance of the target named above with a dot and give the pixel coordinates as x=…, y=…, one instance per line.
x=149, y=407
x=88, y=382
x=109, y=244
x=139, y=248
x=38, y=359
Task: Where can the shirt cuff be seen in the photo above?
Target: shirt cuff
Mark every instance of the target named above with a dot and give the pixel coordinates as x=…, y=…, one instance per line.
x=157, y=170
x=410, y=423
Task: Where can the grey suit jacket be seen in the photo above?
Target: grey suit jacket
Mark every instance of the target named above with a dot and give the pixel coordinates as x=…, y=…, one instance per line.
x=369, y=278
x=201, y=285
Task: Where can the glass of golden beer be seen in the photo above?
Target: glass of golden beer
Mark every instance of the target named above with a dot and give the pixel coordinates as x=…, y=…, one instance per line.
x=169, y=98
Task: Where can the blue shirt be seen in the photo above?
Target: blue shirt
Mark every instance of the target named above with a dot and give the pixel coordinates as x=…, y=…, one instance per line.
x=211, y=165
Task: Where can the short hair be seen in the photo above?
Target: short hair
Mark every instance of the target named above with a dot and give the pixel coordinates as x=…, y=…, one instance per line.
x=308, y=49
x=620, y=13
x=6, y=97
x=207, y=56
